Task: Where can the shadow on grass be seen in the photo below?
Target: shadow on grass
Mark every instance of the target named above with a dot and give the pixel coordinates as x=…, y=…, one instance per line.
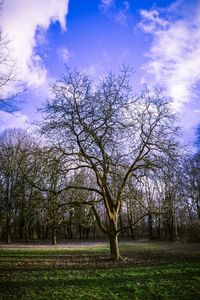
x=91, y=262
x=169, y=282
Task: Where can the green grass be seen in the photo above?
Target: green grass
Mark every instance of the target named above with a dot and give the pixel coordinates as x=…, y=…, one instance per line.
x=180, y=281
x=86, y=272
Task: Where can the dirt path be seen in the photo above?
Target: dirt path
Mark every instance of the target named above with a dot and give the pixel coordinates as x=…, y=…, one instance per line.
x=66, y=244
x=168, y=254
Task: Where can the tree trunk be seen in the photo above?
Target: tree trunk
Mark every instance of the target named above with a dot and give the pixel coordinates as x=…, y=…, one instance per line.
x=21, y=228
x=150, y=223
x=175, y=228
x=8, y=238
x=159, y=228
x=54, y=236
x=1, y=230
x=27, y=233
x=114, y=246
x=80, y=231
x=35, y=236
x=8, y=232
x=198, y=209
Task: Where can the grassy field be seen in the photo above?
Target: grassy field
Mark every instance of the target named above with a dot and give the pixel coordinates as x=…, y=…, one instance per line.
x=84, y=271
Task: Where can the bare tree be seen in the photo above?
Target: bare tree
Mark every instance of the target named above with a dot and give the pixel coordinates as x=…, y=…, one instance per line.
x=197, y=134
x=47, y=174
x=10, y=177
x=109, y=133
x=193, y=183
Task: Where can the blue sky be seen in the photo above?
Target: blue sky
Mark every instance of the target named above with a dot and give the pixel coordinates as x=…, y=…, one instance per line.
x=159, y=39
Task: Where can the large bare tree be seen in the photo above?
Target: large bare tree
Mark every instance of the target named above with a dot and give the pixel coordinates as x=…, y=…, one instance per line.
x=110, y=134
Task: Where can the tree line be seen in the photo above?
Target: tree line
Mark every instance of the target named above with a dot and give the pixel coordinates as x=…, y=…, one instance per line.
x=104, y=162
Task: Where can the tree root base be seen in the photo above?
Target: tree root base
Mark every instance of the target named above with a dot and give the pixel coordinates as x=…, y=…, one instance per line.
x=120, y=259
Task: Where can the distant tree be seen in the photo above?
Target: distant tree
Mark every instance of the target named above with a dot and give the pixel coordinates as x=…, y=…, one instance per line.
x=18, y=199
x=10, y=178
x=197, y=142
x=112, y=135
x=29, y=199
x=46, y=173
x=193, y=176
x=193, y=183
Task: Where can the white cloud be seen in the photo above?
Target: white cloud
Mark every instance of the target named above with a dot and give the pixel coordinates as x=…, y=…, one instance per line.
x=174, y=56
x=98, y=69
x=94, y=70
x=64, y=54
x=116, y=11
x=17, y=120
x=25, y=22
x=107, y=3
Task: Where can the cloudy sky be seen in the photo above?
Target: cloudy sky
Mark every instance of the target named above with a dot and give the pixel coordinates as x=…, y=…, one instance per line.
x=160, y=39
